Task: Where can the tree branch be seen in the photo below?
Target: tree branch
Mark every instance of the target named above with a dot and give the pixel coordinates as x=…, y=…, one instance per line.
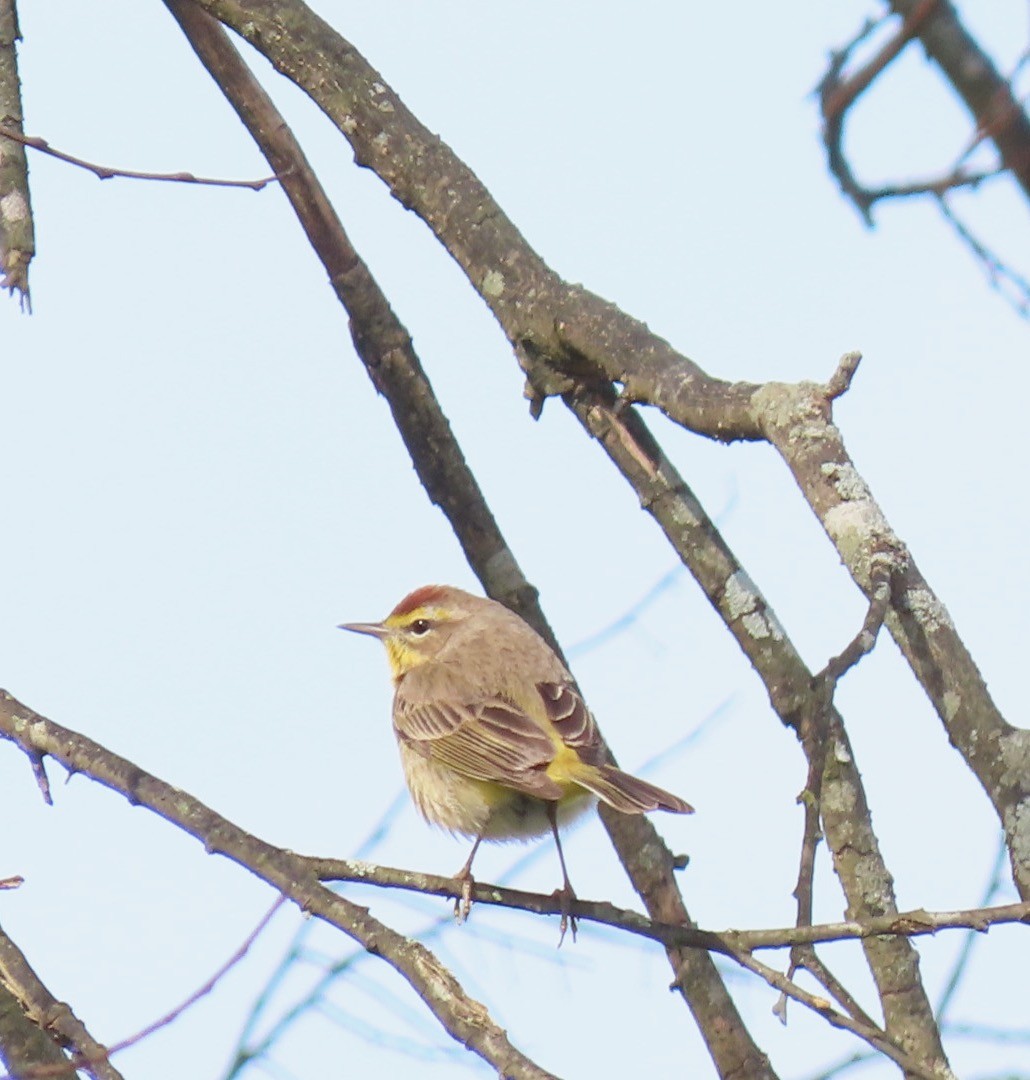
x=987, y=95
x=864, y=1030
x=107, y=172
x=386, y=350
x=565, y=337
x=17, y=236
x=297, y=877
x=866, y=882
x=52, y=1017
x=464, y=1018
x=916, y=923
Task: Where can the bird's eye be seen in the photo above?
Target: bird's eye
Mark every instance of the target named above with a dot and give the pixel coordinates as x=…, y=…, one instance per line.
x=420, y=626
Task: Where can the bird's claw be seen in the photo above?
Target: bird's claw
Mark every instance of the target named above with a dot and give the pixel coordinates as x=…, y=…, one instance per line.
x=463, y=903
x=565, y=896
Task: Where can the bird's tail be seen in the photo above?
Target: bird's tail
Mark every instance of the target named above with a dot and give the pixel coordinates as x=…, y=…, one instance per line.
x=626, y=793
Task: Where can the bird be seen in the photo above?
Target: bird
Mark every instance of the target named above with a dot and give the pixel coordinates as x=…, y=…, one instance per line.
x=496, y=742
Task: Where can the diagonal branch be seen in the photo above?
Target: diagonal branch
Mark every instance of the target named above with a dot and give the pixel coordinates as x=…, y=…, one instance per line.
x=386, y=350
x=814, y=730
x=867, y=883
x=837, y=95
x=985, y=92
x=464, y=1018
x=53, y=1017
x=25, y=1048
x=857, y=1026
x=566, y=337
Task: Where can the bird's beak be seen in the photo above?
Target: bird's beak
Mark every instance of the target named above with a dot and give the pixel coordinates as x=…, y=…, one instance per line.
x=374, y=629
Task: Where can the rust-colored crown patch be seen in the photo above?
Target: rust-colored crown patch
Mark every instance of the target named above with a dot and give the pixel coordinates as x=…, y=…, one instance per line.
x=427, y=594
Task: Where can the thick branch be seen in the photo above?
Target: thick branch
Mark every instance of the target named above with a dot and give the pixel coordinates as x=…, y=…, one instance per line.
x=53, y=1017
x=386, y=350
x=566, y=337
x=17, y=237
x=986, y=94
x=25, y=1048
x=464, y=1018
x=847, y=823
x=546, y=319
x=797, y=420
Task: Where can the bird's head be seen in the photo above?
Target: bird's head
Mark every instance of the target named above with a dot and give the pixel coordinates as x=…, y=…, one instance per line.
x=419, y=626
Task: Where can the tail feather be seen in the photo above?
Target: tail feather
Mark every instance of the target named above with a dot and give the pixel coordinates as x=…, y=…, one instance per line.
x=628, y=794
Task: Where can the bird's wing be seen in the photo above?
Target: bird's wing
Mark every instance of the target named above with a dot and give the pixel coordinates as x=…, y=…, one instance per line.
x=492, y=739
x=573, y=721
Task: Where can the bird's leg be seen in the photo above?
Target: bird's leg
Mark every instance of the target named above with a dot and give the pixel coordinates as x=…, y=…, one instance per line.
x=566, y=893
x=463, y=904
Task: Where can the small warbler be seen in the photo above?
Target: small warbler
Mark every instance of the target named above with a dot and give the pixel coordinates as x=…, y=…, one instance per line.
x=495, y=740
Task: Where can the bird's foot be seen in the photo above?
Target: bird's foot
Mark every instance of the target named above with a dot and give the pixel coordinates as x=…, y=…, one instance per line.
x=463, y=903
x=565, y=895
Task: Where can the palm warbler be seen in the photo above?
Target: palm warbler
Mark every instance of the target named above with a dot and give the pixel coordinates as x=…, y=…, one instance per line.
x=495, y=740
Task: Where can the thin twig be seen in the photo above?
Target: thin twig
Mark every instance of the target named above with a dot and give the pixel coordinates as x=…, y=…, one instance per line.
x=871, y=1034
x=293, y=950
x=953, y=180
x=965, y=954
x=837, y=95
x=815, y=726
x=42, y=780
x=816, y=967
x=107, y=172
x=996, y=270
x=207, y=986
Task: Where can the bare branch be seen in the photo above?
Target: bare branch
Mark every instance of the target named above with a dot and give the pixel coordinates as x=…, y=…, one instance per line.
x=106, y=172
x=1013, y=286
x=987, y=95
x=961, y=964
x=869, y=1033
x=205, y=988
x=837, y=95
x=566, y=338
x=25, y=1047
x=386, y=350
x=815, y=726
x=840, y=381
x=51, y=1015
x=17, y=237
x=463, y=1017
x=857, y=860
x=797, y=420
x=42, y=780
x=907, y=924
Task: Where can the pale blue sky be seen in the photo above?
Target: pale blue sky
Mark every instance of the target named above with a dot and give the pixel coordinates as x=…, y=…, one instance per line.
x=200, y=483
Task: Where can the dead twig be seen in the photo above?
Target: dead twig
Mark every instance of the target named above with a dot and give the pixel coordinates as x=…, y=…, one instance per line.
x=107, y=172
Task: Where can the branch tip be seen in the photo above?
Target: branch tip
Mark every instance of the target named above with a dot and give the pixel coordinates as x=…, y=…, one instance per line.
x=840, y=380
x=39, y=772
